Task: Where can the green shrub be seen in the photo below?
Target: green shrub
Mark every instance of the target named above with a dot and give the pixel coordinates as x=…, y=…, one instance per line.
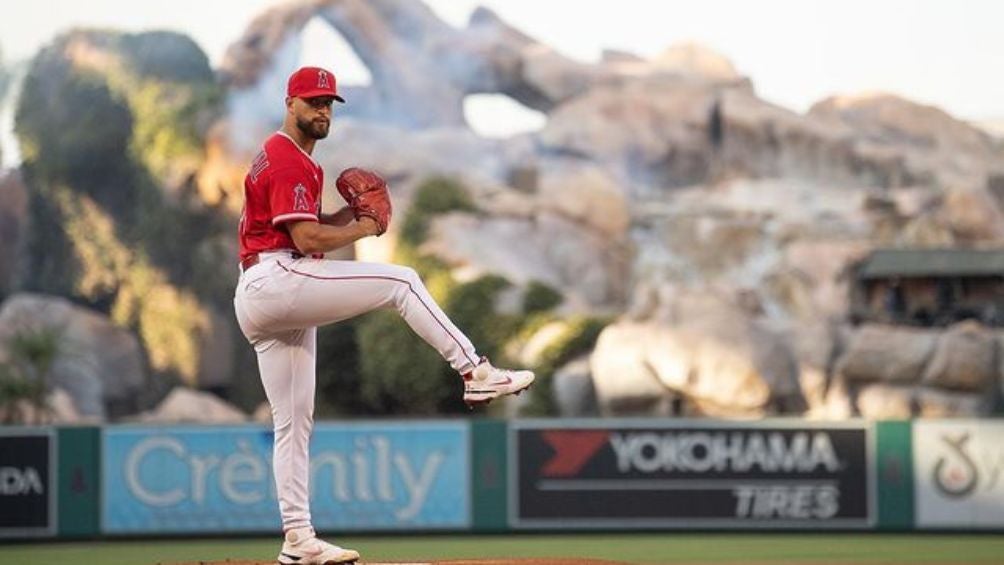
x=401, y=374
x=25, y=376
x=435, y=196
x=540, y=297
x=579, y=338
x=15, y=388
x=471, y=306
x=339, y=378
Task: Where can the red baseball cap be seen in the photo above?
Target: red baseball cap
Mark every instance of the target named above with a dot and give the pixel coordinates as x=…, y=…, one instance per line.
x=311, y=82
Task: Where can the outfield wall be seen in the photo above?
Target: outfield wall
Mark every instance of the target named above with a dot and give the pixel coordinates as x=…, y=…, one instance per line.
x=490, y=476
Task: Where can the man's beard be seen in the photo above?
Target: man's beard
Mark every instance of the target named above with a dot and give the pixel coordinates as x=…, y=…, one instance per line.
x=317, y=129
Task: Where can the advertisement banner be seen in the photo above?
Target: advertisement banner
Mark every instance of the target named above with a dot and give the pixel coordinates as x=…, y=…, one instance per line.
x=27, y=482
x=365, y=476
x=630, y=474
x=958, y=468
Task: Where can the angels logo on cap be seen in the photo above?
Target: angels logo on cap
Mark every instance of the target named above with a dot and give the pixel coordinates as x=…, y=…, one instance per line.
x=311, y=82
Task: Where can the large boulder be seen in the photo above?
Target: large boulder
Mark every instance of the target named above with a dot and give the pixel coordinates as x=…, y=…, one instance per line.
x=262, y=414
x=64, y=410
x=573, y=390
x=760, y=139
x=183, y=405
x=724, y=364
x=885, y=402
x=888, y=354
x=828, y=397
x=99, y=364
x=965, y=359
x=815, y=350
x=584, y=193
x=724, y=245
x=788, y=242
x=689, y=58
x=810, y=281
x=587, y=266
x=743, y=371
x=937, y=403
x=817, y=347
x=652, y=129
x=931, y=146
x=973, y=215
x=666, y=131
x=59, y=409
x=400, y=153
x=625, y=382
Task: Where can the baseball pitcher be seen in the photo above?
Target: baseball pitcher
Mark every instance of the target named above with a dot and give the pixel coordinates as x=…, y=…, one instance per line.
x=287, y=288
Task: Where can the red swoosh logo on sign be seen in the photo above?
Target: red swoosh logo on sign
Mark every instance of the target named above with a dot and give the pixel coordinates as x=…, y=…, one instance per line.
x=572, y=449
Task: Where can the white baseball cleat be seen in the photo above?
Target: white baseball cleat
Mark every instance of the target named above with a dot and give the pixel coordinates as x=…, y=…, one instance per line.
x=486, y=383
x=303, y=547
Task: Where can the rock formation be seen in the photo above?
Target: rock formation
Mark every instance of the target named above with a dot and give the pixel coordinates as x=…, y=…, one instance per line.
x=13, y=228
x=97, y=363
x=186, y=406
x=720, y=228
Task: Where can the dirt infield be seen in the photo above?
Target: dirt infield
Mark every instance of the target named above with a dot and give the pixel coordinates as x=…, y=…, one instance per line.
x=524, y=561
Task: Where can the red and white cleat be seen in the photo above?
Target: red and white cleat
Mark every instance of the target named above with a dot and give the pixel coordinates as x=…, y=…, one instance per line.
x=486, y=383
x=303, y=547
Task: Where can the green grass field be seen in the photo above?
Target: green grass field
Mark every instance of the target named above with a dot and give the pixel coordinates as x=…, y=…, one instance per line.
x=676, y=547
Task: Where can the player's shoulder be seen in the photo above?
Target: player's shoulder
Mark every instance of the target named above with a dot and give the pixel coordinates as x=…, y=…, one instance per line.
x=277, y=145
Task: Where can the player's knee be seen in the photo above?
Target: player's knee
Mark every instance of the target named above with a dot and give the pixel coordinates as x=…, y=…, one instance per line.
x=407, y=274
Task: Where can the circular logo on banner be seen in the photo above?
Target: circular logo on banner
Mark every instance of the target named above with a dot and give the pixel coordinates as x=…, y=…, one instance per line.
x=956, y=475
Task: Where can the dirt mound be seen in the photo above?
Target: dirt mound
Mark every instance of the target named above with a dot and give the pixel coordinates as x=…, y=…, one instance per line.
x=524, y=561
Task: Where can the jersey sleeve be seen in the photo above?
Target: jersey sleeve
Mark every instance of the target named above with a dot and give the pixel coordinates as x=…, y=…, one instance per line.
x=290, y=198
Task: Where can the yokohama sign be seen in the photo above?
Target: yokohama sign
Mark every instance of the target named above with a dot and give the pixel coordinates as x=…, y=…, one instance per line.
x=690, y=474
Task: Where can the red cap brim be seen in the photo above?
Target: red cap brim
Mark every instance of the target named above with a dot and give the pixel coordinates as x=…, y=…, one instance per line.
x=318, y=93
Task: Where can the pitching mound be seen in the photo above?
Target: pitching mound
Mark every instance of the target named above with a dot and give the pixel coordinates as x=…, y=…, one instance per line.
x=524, y=561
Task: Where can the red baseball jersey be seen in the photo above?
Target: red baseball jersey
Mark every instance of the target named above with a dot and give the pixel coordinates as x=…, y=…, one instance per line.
x=283, y=184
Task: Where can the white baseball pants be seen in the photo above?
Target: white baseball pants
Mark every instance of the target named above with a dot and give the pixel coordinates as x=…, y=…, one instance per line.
x=279, y=304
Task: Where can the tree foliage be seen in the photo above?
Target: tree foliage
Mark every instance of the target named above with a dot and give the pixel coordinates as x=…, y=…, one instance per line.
x=112, y=128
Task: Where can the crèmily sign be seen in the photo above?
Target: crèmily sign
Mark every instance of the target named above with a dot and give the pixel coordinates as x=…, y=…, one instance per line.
x=362, y=476
x=690, y=474
x=27, y=471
